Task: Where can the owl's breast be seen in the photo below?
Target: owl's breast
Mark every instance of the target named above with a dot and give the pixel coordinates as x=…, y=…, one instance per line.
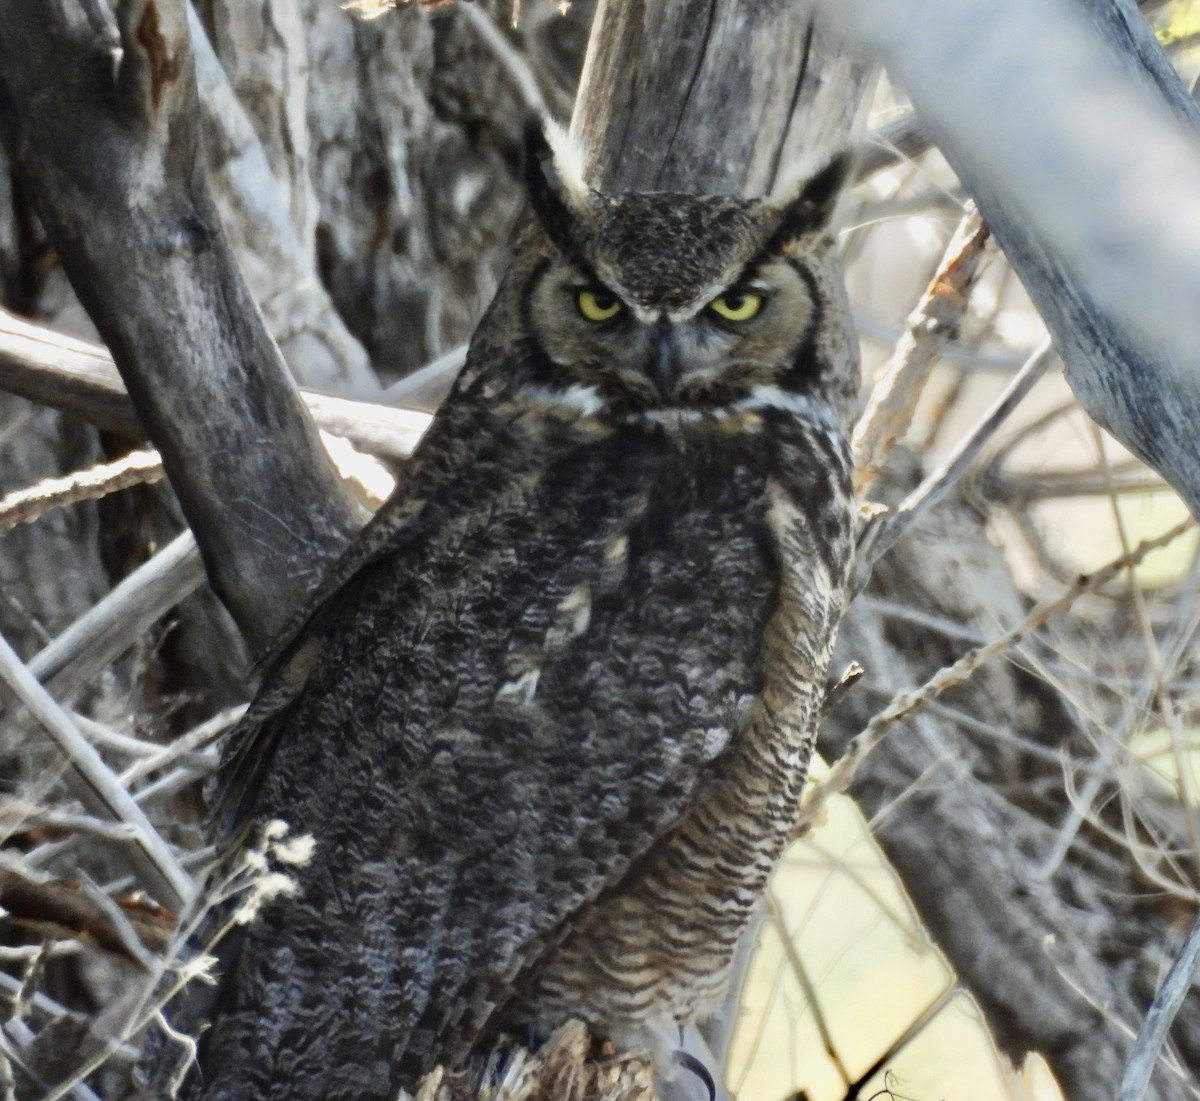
x=724, y=561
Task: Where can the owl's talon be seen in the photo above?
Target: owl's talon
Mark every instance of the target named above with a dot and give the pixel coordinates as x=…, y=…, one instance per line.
x=688, y=1061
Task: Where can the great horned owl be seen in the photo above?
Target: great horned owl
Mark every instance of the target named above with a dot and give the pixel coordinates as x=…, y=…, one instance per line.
x=549, y=724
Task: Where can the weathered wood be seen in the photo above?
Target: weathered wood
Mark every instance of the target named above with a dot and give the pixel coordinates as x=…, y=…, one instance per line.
x=1077, y=140
x=79, y=377
x=716, y=96
x=262, y=187
x=112, y=156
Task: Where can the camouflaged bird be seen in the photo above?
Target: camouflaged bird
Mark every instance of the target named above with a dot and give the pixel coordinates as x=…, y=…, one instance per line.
x=549, y=723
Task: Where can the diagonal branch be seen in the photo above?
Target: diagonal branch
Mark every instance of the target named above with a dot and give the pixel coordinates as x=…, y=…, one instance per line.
x=113, y=157
x=98, y=790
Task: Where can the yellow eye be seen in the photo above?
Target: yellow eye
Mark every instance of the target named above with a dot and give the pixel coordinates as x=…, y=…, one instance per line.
x=737, y=305
x=598, y=305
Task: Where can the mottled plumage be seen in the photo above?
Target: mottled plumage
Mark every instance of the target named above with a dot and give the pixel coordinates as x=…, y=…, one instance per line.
x=549, y=727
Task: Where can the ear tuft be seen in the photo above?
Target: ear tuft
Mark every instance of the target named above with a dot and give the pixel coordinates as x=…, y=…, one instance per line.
x=556, y=189
x=808, y=201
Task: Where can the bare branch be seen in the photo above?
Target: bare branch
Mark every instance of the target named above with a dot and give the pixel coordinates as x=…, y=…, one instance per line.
x=933, y=325
x=909, y=701
x=883, y=530
x=1175, y=987
x=78, y=377
x=26, y=505
x=100, y=793
x=117, y=150
x=1029, y=102
x=117, y=621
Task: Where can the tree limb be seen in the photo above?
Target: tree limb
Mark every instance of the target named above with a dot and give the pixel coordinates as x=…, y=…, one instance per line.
x=1077, y=140
x=79, y=377
x=112, y=154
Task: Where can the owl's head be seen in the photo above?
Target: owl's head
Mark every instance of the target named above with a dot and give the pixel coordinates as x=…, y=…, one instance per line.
x=662, y=304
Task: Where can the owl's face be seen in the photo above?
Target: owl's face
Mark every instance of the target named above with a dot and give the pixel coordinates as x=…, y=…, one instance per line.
x=665, y=304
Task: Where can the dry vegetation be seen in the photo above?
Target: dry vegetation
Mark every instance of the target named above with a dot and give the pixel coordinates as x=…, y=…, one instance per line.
x=1022, y=744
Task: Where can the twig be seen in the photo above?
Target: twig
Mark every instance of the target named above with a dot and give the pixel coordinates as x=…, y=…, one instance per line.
x=31, y=975
x=1136, y=1077
x=410, y=390
x=1157, y=673
x=39, y=1002
x=16, y=815
x=1013, y=491
x=879, y=535
x=98, y=788
x=22, y=953
x=511, y=61
x=26, y=505
x=934, y=323
x=178, y=778
x=194, y=739
x=122, y=744
x=902, y=1041
x=907, y=702
x=894, y=143
x=792, y=954
x=1077, y=813
x=120, y=618
x=885, y=332
x=115, y=924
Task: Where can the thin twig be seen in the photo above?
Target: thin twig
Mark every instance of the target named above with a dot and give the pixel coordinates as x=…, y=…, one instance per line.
x=178, y=778
x=882, y=533
x=116, y=924
x=194, y=739
x=907, y=702
x=914, y=1030
x=896, y=142
x=792, y=954
x=39, y=1002
x=1157, y=673
x=26, y=505
x=122, y=744
x=16, y=815
x=409, y=391
x=934, y=323
x=886, y=333
x=1136, y=1078
x=98, y=788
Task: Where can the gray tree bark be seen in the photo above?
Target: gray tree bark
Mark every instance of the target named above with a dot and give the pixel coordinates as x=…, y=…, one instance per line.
x=1072, y=131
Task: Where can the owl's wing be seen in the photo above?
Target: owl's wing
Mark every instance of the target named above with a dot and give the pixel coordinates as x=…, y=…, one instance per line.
x=505, y=712
x=448, y=450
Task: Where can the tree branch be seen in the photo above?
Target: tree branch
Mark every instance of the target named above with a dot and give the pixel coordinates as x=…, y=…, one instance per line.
x=78, y=377
x=112, y=154
x=1077, y=140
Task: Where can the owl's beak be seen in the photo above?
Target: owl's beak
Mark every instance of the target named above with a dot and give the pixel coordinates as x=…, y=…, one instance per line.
x=662, y=364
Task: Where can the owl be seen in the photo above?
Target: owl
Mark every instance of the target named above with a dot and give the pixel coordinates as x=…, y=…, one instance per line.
x=548, y=723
